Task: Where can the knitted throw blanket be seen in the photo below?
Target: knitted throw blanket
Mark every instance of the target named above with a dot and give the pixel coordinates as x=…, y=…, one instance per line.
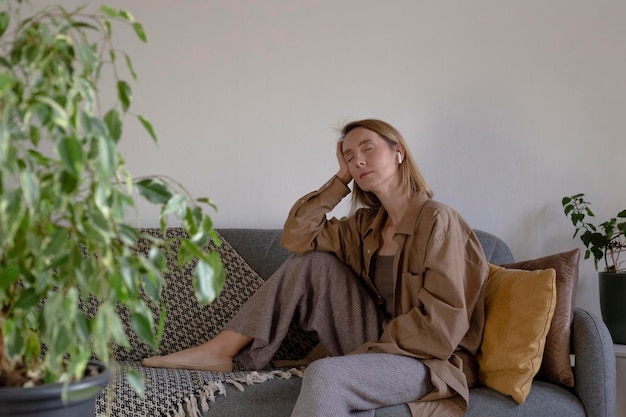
x=177, y=392
x=174, y=392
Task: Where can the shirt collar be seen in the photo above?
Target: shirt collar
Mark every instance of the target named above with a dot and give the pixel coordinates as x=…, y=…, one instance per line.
x=407, y=223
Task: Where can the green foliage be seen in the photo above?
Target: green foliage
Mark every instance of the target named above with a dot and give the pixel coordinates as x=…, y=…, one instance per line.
x=605, y=241
x=64, y=193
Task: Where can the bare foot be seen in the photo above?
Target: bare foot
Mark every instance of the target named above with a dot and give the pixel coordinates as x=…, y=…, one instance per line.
x=198, y=358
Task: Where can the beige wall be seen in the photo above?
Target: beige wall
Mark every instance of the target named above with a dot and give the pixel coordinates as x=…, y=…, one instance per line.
x=508, y=105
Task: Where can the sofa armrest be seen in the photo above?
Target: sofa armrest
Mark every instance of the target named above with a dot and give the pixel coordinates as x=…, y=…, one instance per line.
x=595, y=364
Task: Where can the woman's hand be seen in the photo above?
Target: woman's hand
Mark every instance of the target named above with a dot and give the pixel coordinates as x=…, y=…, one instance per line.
x=344, y=172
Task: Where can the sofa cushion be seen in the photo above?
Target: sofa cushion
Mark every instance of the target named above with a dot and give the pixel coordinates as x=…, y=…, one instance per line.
x=545, y=400
x=519, y=306
x=556, y=366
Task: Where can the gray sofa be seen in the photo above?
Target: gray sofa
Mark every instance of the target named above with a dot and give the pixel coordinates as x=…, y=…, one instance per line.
x=177, y=393
x=592, y=347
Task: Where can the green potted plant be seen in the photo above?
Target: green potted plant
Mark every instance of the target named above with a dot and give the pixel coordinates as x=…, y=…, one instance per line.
x=607, y=243
x=65, y=196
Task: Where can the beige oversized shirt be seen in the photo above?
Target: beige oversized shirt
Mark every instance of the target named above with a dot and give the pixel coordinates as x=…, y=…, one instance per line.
x=439, y=274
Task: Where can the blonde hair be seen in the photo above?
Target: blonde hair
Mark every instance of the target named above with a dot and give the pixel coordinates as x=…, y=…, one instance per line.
x=412, y=179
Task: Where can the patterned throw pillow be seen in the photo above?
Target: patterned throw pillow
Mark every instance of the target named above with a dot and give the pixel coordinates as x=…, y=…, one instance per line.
x=556, y=366
x=189, y=323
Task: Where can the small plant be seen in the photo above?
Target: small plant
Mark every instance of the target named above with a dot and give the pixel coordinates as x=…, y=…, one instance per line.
x=66, y=195
x=606, y=241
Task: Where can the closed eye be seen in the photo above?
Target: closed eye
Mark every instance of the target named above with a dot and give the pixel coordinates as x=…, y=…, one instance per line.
x=367, y=148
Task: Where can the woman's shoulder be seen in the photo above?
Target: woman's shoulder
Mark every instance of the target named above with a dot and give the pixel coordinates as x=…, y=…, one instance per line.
x=438, y=206
x=444, y=214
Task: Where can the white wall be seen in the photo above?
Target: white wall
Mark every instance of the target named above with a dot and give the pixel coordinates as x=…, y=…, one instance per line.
x=508, y=105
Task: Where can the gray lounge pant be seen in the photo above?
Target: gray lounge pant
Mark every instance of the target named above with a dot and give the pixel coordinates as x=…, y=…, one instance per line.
x=325, y=296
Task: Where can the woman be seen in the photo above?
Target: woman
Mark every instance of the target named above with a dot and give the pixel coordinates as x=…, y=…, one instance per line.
x=394, y=291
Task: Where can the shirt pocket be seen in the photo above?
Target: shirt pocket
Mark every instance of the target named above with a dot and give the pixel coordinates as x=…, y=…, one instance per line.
x=410, y=287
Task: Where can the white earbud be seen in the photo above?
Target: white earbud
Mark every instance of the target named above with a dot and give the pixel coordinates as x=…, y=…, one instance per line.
x=399, y=158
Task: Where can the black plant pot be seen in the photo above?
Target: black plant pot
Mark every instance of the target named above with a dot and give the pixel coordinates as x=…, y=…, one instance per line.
x=612, y=304
x=45, y=400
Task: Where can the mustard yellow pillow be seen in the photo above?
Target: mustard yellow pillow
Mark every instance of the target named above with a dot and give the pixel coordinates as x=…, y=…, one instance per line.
x=519, y=306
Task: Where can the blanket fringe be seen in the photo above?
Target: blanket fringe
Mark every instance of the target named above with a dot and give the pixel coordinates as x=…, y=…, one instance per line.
x=208, y=392
x=192, y=406
x=180, y=412
x=255, y=377
x=297, y=372
x=249, y=379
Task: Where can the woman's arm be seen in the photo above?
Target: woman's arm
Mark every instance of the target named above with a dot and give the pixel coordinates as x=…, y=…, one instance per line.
x=307, y=218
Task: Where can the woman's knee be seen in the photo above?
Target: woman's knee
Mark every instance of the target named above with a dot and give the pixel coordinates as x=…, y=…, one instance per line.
x=314, y=266
x=322, y=370
x=315, y=258
x=328, y=373
x=317, y=369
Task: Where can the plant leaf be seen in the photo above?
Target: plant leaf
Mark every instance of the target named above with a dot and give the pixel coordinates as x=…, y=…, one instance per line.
x=143, y=323
x=14, y=342
x=27, y=299
x=129, y=64
x=109, y=11
x=108, y=29
x=54, y=244
x=117, y=331
x=154, y=191
x=99, y=332
x=6, y=82
x=63, y=340
x=125, y=14
x=113, y=122
x=207, y=201
x=128, y=234
x=177, y=204
x=71, y=153
x=59, y=115
x=209, y=278
x=88, y=56
x=30, y=187
x=107, y=160
x=124, y=94
x=136, y=381
x=161, y=326
x=148, y=126
x=141, y=34
x=4, y=22
x=8, y=276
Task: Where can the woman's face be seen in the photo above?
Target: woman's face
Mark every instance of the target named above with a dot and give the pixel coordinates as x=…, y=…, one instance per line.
x=371, y=161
